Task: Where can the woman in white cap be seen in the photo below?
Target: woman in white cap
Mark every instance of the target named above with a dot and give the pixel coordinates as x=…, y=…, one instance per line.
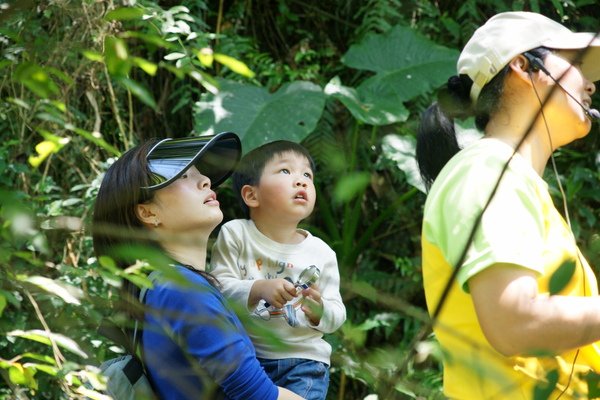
x=159, y=195
x=513, y=302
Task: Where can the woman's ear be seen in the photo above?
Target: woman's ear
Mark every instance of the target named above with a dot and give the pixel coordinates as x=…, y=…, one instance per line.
x=521, y=68
x=250, y=196
x=146, y=214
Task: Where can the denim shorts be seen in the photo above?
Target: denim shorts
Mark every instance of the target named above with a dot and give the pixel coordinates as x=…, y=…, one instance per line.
x=306, y=378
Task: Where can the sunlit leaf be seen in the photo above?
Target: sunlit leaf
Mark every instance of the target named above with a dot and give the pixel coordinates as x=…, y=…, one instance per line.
x=44, y=337
x=205, y=56
x=92, y=394
x=401, y=151
x=148, y=67
x=235, y=65
x=124, y=13
x=35, y=79
x=59, y=105
x=94, y=138
x=139, y=91
x=70, y=294
x=179, y=9
x=138, y=280
x=174, y=56
x=92, y=55
x=71, y=201
x=19, y=102
x=207, y=81
x=349, y=186
x=52, y=371
x=95, y=378
x=107, y=263
x=40, y=357
x=63, y=222
x=561, y=277
x=116, y=56
x=43, y=149
x=23, y=375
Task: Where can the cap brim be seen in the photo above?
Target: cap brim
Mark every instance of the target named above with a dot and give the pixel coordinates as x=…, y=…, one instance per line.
x=214, y=156
x=588, y=43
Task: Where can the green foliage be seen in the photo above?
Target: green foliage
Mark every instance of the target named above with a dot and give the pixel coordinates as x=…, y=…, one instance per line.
x=82, y=81
x=406, y=65
x=561, y=277
x=543, y=390
x=593, y=381
x=248, y=110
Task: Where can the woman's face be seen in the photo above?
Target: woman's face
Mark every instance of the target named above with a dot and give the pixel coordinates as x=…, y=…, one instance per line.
x=187, y=204
x=572, y=120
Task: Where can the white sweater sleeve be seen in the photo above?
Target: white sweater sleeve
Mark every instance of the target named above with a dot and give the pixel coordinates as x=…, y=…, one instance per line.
x=225, y=267
x=334, y=311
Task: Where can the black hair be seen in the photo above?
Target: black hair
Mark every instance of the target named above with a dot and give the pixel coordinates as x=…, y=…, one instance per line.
x=436, y=136
x=252, y=165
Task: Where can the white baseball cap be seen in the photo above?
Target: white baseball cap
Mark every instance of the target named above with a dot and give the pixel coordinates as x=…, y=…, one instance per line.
x=508, y=34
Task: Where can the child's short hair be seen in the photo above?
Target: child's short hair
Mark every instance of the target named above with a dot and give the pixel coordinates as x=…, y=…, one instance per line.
x=252, y=165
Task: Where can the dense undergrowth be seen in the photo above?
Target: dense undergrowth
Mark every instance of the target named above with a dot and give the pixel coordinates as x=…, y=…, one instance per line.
x=82, y=81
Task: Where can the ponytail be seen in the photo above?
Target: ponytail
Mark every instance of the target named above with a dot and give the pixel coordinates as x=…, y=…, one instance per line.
x=436, y=137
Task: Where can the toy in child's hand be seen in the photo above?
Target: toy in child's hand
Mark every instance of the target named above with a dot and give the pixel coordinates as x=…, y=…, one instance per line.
x=307, y=278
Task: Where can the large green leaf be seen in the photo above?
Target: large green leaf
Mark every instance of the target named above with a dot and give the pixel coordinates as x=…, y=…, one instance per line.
x=406, y=65
x=371, y=110
x=400, y=48
x=258, y=116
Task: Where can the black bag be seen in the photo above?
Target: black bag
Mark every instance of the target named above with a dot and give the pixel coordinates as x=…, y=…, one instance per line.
x=127, y=379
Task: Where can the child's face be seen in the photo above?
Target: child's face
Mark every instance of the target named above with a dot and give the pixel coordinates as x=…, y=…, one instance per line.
x=286, y=189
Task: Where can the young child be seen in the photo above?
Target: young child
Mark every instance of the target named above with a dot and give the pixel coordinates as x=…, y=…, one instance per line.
x=259, y=261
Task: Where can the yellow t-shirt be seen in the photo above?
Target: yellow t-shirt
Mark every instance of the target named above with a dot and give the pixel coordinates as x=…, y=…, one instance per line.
x=521, y=226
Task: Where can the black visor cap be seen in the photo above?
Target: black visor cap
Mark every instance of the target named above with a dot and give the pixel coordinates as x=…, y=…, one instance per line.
x=214, y=156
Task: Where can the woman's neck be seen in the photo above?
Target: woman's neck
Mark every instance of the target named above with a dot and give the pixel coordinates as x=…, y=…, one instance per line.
x=535, y=149
x=187, y=249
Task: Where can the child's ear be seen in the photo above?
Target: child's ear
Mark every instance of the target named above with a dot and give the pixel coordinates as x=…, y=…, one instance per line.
x=145, y=214
x=250, y=196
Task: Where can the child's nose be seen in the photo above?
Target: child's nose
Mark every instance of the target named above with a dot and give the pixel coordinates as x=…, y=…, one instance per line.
x=301, y=182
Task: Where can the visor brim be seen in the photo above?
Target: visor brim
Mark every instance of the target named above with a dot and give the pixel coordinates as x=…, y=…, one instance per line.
x=214, y=156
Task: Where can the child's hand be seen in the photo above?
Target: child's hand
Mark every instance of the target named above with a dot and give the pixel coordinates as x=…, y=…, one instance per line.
x=276, y=292
x=313, y=305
